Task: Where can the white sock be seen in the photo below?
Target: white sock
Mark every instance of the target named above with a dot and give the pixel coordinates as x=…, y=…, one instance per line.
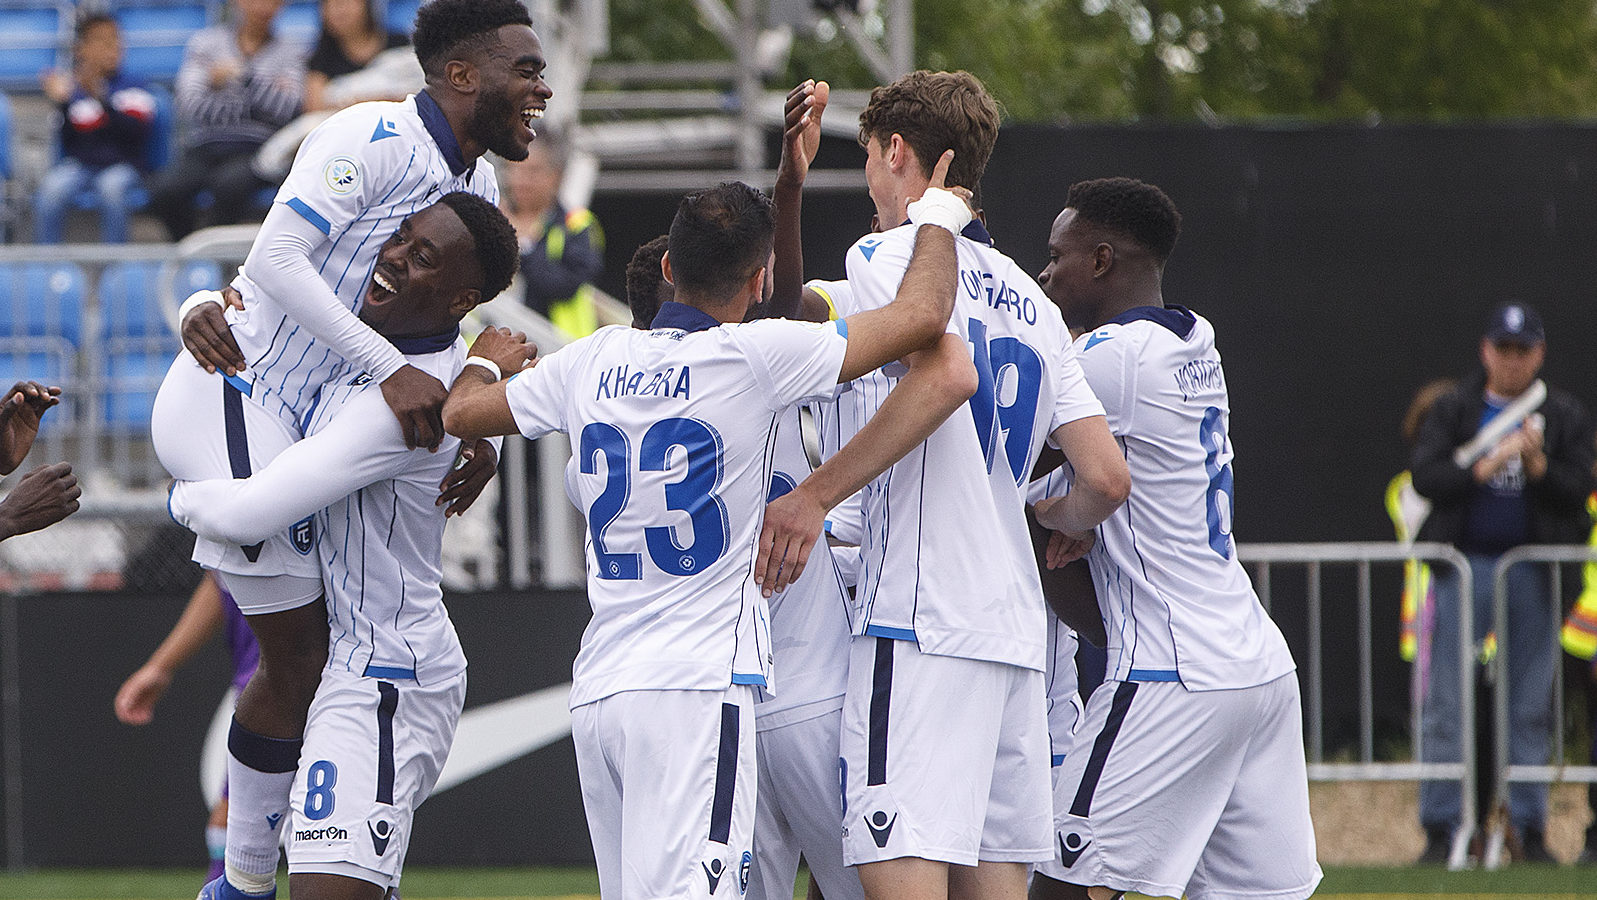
x=260, y=773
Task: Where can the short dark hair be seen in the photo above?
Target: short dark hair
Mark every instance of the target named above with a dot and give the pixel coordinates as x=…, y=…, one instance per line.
x=493, y=238
x=644, y=281
x=720, y=237
x=445, y=29
x=934, y=112
x=1134, y=208
x=88, y=21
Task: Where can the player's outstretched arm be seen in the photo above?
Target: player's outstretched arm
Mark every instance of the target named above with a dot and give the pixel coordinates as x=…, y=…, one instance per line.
x=201, y=618
x=44, y=497
x=280, y=262
x=24, y=407
x=477, y=406
x=940, y=380
x=1101, y=483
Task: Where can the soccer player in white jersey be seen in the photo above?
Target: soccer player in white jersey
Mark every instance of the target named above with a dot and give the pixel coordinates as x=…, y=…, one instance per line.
x=384, y=715
x=945, y=740
x=673, y=431
x=355, y=179
x=1187, y=776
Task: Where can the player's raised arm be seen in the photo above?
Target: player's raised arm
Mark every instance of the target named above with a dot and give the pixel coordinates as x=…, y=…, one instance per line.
x=801, y=140
x=477, y=406
x=23, y=407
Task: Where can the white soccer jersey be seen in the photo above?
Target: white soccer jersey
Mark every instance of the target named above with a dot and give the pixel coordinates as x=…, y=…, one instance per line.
x=947, y=558
x=379, y=530
x=672, y=433
x=1177, y=605
x=809, y=620
x=355, y=178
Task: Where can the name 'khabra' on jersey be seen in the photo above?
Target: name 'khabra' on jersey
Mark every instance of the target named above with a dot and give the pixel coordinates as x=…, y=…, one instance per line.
x=624, y=381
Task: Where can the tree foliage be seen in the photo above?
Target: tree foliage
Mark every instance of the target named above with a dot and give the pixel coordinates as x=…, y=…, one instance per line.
x=1227, y=60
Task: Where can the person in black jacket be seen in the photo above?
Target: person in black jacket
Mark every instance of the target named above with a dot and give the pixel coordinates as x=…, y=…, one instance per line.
x=1528, y=487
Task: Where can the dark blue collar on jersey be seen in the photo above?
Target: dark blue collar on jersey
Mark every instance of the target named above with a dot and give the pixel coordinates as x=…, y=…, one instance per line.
x=1178, y=319
x=427, y=343
x=680, y=315
x=976, y=231
x=432, y=116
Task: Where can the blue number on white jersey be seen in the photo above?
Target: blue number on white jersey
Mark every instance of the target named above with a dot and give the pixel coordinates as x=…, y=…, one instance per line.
x=695, y=494
x=1217, y=462
x=1008, y=385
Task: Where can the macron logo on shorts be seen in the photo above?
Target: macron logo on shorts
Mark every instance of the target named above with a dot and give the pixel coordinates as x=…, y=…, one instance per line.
x=1074, y=840
x=881, y=826
x=713, y=870
x=381, y=830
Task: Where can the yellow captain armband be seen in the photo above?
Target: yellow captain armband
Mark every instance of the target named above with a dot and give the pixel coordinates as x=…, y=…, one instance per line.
x=820, y=291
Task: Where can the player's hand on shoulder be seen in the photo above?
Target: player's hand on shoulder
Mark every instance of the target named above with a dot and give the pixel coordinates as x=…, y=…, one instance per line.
x=471, y=473
x=44, y=497
x=417, y=400
x=792, y=524
x=950, y=207
x=507, y=349
x=206, y=334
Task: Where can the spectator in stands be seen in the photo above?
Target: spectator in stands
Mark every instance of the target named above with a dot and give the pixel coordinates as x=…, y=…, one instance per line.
x=349, y=41
x=1528, y=486
x=105, y=132
x=46, y=495
x=561, y=251
x=238, y=84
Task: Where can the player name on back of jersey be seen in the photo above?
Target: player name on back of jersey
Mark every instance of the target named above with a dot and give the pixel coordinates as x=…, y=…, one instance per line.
x=1199, y=377
x=625, y=381
x=999, y=295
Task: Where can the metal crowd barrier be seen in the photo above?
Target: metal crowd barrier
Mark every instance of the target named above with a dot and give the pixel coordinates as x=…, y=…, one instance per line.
x=1314, y=557
x=1553, y=557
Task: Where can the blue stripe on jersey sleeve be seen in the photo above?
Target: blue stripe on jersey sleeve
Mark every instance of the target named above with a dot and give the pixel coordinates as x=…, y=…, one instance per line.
x=311, y=215
x=748, y=678
x=1153, y=675
x=842, y=326
x=896, y=634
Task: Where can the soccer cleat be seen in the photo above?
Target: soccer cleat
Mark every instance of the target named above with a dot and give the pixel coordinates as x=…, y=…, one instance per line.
x=219, y=888
x=1533, y=847
x=1438, y=842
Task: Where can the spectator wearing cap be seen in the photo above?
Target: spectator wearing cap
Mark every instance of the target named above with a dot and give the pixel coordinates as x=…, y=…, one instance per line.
x=1526, y=486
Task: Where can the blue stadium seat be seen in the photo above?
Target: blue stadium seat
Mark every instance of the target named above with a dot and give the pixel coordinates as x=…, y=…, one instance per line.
x=401, y=15
x=300, y=21
x=155, y=34
x=34, y=36
x=42, y=300
x=133, y=375
x=5, y=137
x=130, y=293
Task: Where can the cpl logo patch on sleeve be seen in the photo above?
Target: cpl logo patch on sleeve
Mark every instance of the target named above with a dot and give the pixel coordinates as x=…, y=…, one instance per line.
x=342, y=175
x=303, y=535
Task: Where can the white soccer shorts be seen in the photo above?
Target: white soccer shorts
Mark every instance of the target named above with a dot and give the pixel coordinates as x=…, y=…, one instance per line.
x=373, y=751
x=800, y=811
x=204, y=427
x=668, y=785
x=943, y=758
x=1168, y=791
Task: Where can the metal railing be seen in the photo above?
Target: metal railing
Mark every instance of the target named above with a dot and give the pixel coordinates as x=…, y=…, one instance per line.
x=1313, y=558
x=1553, y=557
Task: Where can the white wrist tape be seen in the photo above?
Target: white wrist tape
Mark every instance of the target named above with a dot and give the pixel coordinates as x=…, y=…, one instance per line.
x=486, y=363
x=941, y=208
x=197, y=299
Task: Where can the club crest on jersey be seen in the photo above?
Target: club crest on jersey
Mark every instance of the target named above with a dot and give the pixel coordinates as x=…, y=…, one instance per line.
x=744, y=868
x=342, y=175
x=358, y=380
x=303, y=535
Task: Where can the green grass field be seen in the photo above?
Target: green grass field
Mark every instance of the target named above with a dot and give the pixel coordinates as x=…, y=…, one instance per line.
x=1544, y=882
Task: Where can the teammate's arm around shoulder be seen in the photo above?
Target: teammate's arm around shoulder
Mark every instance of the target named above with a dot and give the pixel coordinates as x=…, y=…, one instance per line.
x=1101, y=484
x=478, y=406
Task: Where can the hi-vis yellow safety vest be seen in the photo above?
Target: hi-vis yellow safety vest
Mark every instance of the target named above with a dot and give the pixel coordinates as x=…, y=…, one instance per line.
x=576, y=315
x=1419, y=589
x=1579, y=634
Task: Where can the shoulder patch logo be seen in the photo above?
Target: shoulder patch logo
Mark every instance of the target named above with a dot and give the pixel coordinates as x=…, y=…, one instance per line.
x=385, y=129
x=869, y=248
x=1096, y=338
x=342, y=175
